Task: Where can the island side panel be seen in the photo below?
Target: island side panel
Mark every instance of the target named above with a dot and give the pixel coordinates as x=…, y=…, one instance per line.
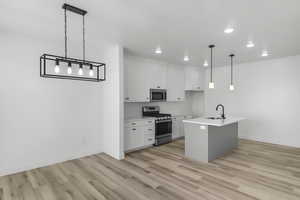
x=196, y=142
x=222, y=140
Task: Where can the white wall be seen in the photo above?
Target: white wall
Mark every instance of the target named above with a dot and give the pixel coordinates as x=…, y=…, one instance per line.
x=267, y=94
x=44, y=121
x=112, y=106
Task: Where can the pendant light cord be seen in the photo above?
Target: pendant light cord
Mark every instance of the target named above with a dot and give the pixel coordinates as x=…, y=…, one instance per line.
x=83, y=38
x=211, y=63
x=66, y=48
x=231, y=70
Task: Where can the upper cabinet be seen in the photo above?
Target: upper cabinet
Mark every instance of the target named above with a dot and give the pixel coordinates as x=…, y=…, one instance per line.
x=194, y=78
x=136, y=88
x=155, y=74
x=141, y=75
x=175, y=83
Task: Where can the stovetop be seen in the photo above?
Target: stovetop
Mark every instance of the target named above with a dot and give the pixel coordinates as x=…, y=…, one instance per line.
x=153, y=111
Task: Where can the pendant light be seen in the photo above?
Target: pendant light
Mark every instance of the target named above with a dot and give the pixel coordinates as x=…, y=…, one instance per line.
x=91, y=73
x=231, y=86
x=56, y=69
x=211, y=84
x=69, y=68
x=46, y=60
x=80, y=71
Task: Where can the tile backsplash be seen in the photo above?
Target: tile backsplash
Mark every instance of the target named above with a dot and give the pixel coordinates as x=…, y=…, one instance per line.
x=193, y=104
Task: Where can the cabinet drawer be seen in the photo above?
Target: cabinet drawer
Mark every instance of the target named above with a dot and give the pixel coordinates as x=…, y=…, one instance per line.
x=149, y=130
x=148, y=139
x=149, y=122
x=134, y=138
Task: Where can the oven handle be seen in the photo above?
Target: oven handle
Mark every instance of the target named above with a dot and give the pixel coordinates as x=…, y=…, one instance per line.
x=163, y=121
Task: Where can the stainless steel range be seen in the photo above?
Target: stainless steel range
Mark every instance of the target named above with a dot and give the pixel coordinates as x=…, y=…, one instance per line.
x=163, y=124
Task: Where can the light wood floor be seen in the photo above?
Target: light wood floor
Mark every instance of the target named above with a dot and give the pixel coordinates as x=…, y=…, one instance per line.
x=253, y=171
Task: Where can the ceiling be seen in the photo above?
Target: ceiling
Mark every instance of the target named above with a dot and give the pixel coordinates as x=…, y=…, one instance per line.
x=178, y=27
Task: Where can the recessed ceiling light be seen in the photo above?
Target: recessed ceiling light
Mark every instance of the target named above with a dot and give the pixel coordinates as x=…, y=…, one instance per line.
x=250, y=44
x=158, y=50
x=205, y=63
x=186, y=58
x=264, y=54
x=228, y=30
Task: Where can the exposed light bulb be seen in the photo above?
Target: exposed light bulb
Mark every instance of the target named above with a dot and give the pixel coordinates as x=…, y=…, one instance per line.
x=158, y=50
x=69, y=70
x=231, y=87
x=228, y=30
x=211, y=85
x=264, y=54
x=91, y=73
x=186, y=58
x=205, y=63
x=250, y=44
x=80, y=71
x=56, y=69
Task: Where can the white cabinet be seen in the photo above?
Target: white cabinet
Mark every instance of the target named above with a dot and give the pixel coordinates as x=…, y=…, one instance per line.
x=140, y=75
x=177, y=127
x=133, y=138
x=139, y=133
x=175, y=83
x=136, y=88
x=194, y=78
x=156, y=74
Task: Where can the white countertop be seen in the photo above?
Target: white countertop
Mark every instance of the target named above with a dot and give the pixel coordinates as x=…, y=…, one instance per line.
x=213, y=122
x=139, y=119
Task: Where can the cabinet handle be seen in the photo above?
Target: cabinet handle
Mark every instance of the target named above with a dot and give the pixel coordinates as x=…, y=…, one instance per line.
x=134, y=129
x=150, y=129
x=158, y=86
x=133, y=123
x=150, y=139
x=127, y=98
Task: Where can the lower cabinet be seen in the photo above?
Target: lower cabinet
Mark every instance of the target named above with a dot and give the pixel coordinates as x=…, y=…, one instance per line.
x=177, y=126
x=139, y=134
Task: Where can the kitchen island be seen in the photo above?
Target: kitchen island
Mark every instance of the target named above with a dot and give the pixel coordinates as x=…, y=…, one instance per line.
x=208, y=138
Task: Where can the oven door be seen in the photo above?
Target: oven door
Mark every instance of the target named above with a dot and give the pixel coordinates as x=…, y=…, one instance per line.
x=158, y=95
x=163, y=128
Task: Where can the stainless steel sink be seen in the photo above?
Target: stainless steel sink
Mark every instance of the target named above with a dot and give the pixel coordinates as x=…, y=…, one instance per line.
x=214, y=118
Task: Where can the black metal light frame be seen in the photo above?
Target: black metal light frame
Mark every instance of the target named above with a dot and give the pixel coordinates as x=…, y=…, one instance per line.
x=100, y=68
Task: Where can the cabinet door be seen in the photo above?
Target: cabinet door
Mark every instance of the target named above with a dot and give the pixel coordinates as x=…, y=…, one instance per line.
x=180, y=125
x=156, y=74
x=194, y=78
x=136, y=88
x=134, y=138
x=175, y=83
x=175, y=130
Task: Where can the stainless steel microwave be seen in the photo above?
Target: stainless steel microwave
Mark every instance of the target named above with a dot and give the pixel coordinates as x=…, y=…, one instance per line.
x=158, y=95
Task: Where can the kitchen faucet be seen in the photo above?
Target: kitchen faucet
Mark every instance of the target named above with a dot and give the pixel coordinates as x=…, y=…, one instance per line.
x=223, y=110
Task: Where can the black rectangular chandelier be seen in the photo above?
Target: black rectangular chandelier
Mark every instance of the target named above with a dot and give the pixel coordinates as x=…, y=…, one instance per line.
x=64, y=67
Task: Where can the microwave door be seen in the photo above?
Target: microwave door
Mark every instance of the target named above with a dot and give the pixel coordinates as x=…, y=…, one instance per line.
x=158, y=95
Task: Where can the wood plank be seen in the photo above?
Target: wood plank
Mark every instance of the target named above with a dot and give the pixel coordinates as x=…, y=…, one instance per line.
x=255, y=170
